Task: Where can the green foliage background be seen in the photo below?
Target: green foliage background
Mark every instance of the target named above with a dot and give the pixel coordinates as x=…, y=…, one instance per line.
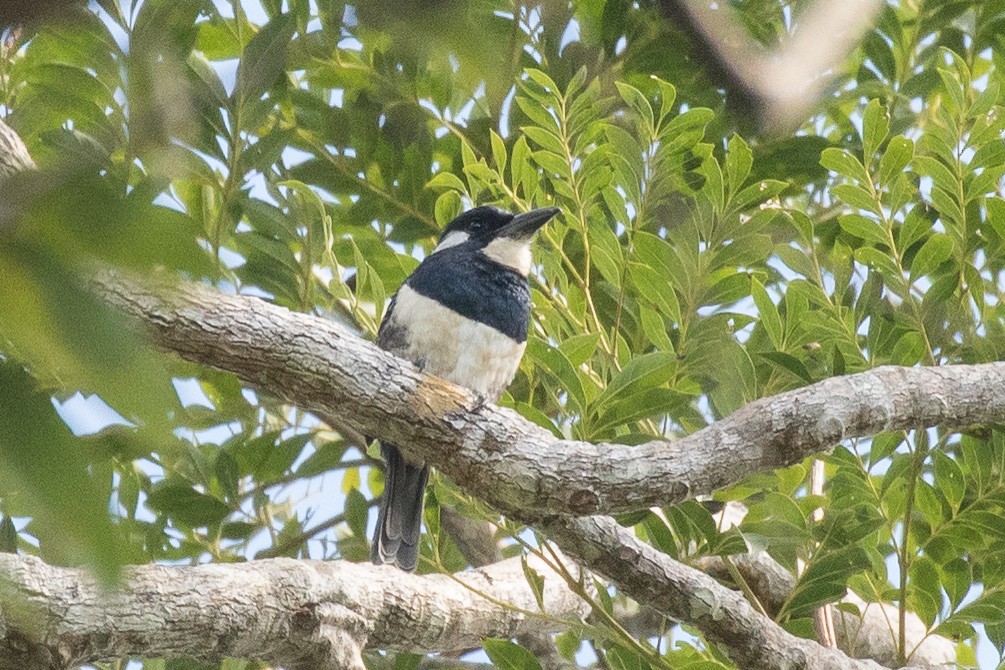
x=311, y=156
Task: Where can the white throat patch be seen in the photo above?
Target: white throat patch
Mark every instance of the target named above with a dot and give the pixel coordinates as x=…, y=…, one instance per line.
x=512, y=253
x=452, y=239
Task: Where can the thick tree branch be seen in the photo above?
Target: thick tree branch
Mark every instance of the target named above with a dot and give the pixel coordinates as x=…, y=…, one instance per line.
x=298, y=614
x=868, y=634
x=520, y=468
x=535, y=478
x=722, y=615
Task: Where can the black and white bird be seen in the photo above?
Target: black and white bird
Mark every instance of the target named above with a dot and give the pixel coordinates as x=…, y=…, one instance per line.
x=463, y=315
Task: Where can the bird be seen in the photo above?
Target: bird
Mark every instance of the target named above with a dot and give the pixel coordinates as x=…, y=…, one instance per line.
x=463, y=315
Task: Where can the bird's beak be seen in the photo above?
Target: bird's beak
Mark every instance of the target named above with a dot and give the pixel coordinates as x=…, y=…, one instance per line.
x=524, y=225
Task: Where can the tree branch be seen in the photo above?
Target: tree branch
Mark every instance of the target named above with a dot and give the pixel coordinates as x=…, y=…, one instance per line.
x=524, y=471
x=517, y=466
x=722, y=615
x=867, y=634
x=299, y=614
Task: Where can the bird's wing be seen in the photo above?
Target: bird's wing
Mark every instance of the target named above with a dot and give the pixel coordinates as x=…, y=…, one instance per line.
x=390, y=335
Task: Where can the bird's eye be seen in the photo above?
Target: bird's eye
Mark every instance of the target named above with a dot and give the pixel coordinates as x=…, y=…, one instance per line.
x=476, y=226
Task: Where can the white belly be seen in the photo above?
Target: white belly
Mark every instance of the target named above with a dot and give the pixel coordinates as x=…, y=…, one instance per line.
x=443, y=343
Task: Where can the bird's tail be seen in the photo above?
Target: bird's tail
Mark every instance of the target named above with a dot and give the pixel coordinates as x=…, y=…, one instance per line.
x=396, y=539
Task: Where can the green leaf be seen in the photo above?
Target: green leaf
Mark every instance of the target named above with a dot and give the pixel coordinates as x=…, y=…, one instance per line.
x=8, y=536
x=935, y=251
x=552, y=163
x=875, y=128
x=620, y=658
x=521, y=161
x=643, y=371
x=537, y=113
x=186, y=505
x=554, y=361
x=843, y=163
x=788, y=363
x=714, y=188
x=739, y=159
x=228, y=475
x=667, y=96
x=880, y=261
x=949, y=479
x=940, y=174
x=654, y=288
x=634, y=405
x=899, y=152
x=507, y=655
x=448, y=206
x=545, y=139
x=568, y=644
x=926, y=590
x=957, y=579
x=868, y=229
x=955, y=96
x=825, y=579
x=44, y=466
x=655, y=328
x=264, y=59
x=857, y=197
x=543, y=80
x=498, y=152
x=447, y=181
x=768, y=314
x=606, y=248
x=536, y=581
x=327, y=456
x=909, y=350
x=659, y=534
x=580, y=348
x=638, y=102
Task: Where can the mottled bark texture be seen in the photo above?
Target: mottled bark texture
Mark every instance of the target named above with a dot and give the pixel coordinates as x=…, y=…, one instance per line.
x=312, y=615
x=521, y=468
x=872, y=633
x=528, y=474
x=725, y=617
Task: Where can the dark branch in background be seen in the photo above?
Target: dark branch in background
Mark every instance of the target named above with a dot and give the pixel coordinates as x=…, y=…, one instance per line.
x=17, y=12
x=710, y=52
x=474, y=538
x=780, y=87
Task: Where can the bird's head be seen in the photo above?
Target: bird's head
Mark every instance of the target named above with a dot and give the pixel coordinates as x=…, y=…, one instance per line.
x=501, y=236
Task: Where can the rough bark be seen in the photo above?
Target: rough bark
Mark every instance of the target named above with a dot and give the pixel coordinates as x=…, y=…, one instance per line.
x=723, y=616
x=527, y=473
x=872, y=633
x=298, y=614
x=519, y=467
